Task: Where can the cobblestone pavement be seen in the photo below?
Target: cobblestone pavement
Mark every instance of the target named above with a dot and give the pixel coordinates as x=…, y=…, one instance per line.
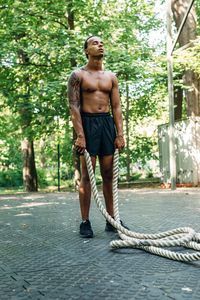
x=43, y=257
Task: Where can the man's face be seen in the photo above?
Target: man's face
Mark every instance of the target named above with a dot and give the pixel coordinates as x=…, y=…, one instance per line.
x=95, y=47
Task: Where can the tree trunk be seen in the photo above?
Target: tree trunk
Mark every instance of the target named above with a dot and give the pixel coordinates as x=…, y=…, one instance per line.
x=76, y=158
x=29, y=169
x=191, y=79
x=178, y=100
x=42, y=154
x=189, y=33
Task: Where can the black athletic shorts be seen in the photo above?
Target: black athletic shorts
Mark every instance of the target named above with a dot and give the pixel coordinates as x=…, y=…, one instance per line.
x=99, y=132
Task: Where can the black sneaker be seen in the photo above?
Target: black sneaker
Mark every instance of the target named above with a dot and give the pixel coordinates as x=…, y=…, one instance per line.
x=86, y=229
x=111, y=228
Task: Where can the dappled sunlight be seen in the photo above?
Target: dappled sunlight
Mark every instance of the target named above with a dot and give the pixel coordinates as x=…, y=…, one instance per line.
x=28, y=205
x=34, y=196
x=22, y=214
x=146, y=191
x=5, y=197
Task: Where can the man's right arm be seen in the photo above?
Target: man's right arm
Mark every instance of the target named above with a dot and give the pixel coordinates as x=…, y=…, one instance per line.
x=74, y=83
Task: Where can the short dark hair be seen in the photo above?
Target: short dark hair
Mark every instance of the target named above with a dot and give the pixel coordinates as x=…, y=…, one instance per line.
x=86, y=43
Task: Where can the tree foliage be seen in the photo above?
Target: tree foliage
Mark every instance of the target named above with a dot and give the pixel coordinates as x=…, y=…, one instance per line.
x=37, y=50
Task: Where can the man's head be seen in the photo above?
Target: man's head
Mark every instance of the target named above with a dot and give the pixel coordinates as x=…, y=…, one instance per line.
x=94, y=46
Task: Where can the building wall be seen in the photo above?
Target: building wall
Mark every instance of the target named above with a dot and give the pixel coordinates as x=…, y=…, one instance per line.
x=187, y=149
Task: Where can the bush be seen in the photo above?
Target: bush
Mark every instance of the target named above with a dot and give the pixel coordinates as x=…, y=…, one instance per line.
x=133, y=177
x=150, y=174
x=66, y=173
x=11, y=178
x=45, y=177
x=42, y=178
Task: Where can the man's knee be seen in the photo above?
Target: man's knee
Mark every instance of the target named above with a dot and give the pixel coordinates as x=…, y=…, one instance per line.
x=107, y=174
x=85, y=178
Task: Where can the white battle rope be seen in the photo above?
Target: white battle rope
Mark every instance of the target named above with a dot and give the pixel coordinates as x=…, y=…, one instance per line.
x=183, y=237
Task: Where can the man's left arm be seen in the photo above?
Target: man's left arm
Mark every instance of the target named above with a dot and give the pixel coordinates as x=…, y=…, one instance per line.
x=117, y=114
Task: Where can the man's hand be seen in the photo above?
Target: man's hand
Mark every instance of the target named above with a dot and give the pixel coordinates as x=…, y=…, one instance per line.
x=80, y=145
x=119, y=143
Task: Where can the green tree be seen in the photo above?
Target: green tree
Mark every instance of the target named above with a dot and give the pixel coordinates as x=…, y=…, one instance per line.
x=33, y=42
x=130, y=57
x=42, y=42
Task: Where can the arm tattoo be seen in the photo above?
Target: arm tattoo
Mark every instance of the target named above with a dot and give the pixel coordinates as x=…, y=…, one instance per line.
x=74, y=90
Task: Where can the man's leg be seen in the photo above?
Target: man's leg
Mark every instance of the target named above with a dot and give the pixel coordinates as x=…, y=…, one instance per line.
x=106, y=167
x=85, y=188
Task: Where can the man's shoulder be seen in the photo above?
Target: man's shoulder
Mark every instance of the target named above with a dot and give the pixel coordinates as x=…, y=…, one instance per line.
x=76, y=71
x=110, y=74
x=79, y=73
x=75, y=75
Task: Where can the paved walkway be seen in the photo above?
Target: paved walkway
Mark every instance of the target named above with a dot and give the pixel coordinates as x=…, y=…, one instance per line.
x=43, y=257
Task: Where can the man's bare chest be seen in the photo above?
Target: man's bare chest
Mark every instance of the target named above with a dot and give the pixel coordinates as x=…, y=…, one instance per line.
x=99, y=81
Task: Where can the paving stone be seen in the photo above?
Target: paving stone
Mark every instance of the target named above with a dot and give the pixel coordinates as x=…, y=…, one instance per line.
x=43, y=257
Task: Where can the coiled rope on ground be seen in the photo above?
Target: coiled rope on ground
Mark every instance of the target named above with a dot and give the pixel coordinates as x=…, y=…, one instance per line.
x=183, y=237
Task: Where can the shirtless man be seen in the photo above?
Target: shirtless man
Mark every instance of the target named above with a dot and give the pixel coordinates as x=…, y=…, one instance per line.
x=91, y=92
